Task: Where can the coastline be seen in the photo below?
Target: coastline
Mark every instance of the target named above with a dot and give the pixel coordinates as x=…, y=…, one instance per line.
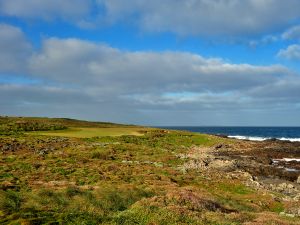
x=252, y=133
x=158, y=175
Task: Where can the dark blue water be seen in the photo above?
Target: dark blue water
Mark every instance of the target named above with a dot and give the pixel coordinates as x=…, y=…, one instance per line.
x=252, y=133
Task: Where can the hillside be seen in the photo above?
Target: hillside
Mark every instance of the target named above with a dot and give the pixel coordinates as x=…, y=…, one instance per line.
x=64, y=171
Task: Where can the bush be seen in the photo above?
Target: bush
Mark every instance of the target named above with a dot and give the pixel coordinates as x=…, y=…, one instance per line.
x=144, y=215
x=19, y=127
x=10, y=201
x=82, y=218
x=73, y=191
x=102, y=154
x=120, y=200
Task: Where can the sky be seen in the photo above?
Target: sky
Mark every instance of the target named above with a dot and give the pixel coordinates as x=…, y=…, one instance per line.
x=158, y=62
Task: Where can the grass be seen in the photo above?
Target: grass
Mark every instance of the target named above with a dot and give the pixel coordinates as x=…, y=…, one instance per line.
x=141, y=214
x=118, y=175
x=84, y=132
x=10, y=201
x=68, y=206
x=237, y=189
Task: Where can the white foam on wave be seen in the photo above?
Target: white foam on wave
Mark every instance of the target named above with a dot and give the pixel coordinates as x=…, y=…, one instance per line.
x=290, y=139
x=285, y=159
x=291, y=170
x=291, y=159
x=248, y=138
x=253, y=138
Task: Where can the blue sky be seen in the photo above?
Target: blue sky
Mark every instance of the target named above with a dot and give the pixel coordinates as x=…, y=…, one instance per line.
x=172, y=62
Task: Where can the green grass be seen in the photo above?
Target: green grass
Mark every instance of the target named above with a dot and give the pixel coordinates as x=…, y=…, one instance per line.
x=143, y=215
x=68, y=206
x=87, y=132
x=102, y=173
x=238, y=189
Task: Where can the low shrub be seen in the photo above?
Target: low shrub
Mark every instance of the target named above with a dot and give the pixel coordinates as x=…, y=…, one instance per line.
x=104, y=154
x=10, y=201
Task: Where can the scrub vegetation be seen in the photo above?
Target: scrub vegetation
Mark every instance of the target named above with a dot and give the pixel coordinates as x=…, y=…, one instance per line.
x=62, y=171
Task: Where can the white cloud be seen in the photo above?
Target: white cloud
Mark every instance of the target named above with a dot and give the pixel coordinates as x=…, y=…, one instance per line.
x=205, y=17
x=53, y=101
x=23, y=94
x=292, y=52
x=15, y=49
x=99, y=66
x=265, y=40
x=292, y=34
x=161, y=82
x=231, y=18
x=73, y=10
x=93, y=80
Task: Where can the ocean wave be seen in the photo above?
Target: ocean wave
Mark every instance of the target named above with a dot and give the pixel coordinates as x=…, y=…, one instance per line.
x=285, y=160
x=253, y=138
x=290, y=139
x=250, y=138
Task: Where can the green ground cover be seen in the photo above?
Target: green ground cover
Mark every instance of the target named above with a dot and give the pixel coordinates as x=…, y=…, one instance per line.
x=87, y=132
x=94, y=175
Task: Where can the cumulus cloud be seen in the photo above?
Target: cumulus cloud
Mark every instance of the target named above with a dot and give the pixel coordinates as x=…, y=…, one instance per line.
x=55, y=101
x=15, y=49
x=37, y=94
x=81, y=62
x=151, y=83
x=292, y=34
x=292, y=52
x=205, y=17
x=93, y=80
x=72, y=10
x=266, y=40
x=191, y=17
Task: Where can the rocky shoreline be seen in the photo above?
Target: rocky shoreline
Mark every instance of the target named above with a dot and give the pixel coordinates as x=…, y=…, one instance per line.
x=270, y=165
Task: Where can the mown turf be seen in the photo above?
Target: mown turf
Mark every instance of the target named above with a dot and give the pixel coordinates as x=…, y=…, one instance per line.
x=84, y=132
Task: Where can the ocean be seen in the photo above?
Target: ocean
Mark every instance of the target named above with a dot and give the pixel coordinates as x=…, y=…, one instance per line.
x=248, y=133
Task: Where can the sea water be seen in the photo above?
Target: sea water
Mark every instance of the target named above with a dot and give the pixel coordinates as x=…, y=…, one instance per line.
x=248, y=133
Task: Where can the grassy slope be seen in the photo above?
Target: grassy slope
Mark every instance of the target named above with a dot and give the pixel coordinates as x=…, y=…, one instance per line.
x=64, y=121
x=121, y=180
x=88, y=132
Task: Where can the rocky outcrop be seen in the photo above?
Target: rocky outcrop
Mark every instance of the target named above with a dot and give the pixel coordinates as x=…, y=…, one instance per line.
x=200, y=158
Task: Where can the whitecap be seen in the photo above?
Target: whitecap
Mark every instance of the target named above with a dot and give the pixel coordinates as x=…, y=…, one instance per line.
x=285, y=159
x=291, y=170
x=291, y=159
x=289, y=139
x=250, y=138
x=254, y=138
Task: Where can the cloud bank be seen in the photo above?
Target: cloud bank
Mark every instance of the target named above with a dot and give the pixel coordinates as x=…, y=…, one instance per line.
x=205, y=17
x=191, y=17
x=15, y=49
x=70, y=10
x=93, y=80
